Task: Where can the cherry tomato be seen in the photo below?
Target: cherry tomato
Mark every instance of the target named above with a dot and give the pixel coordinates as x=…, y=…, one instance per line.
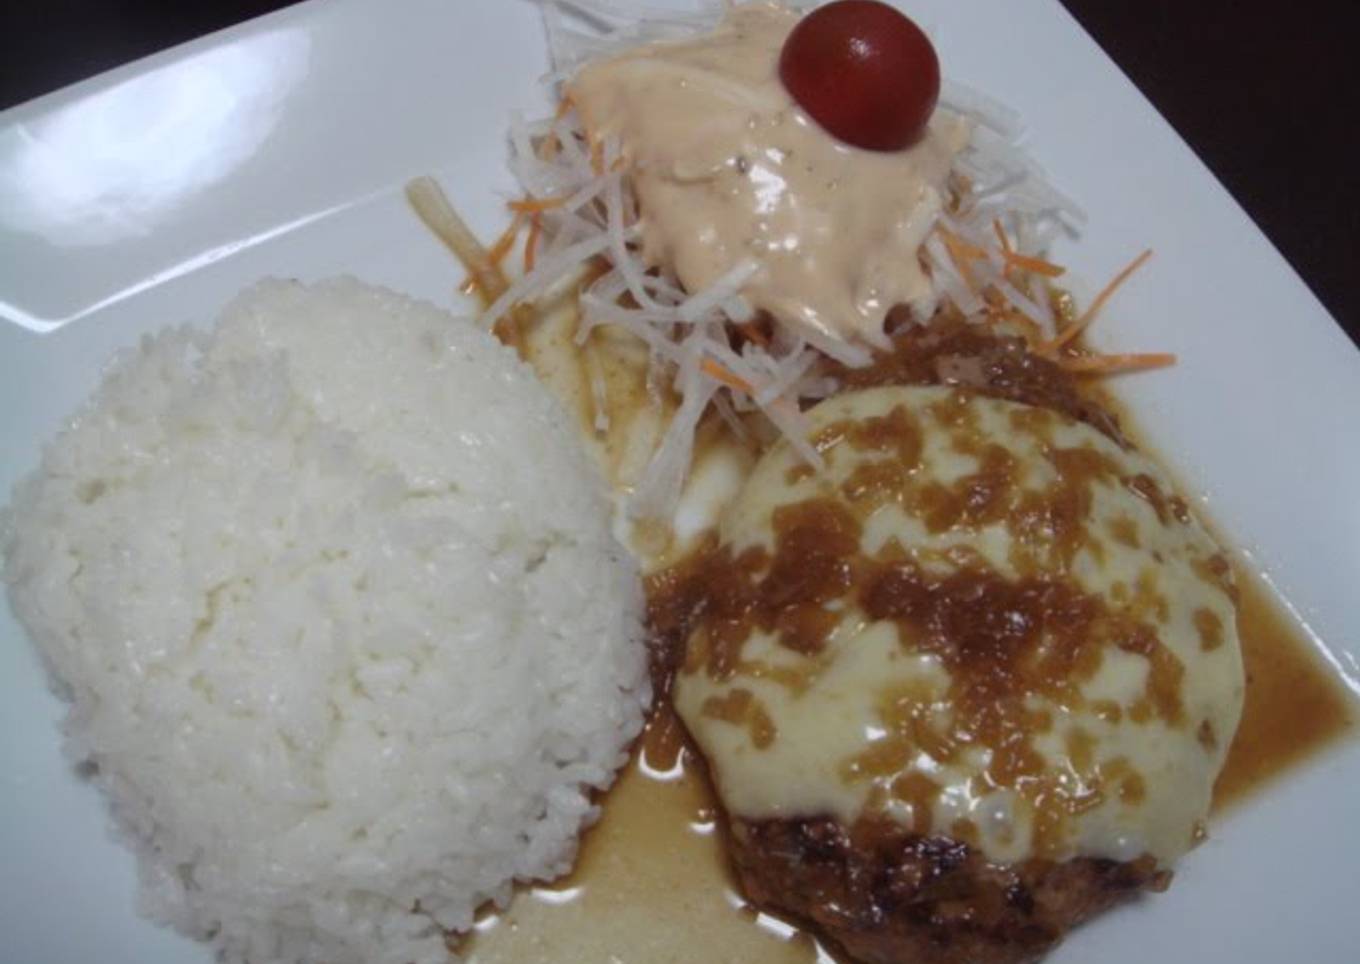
x=863, y=71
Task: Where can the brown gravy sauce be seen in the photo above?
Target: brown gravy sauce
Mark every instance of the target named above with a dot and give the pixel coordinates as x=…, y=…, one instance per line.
x=1296, y=705
x=652, y=882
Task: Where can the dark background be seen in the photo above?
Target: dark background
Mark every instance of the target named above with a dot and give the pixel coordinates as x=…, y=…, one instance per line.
x=1265, y=93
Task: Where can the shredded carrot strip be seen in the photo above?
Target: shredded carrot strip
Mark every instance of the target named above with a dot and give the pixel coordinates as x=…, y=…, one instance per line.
x=505, y=242
x=552, y=145
x=970, y=251
x=535, y=205
x=531, y=243
x=1034, y=265
x=496, y=253
x=1008, y=311
x=1108, y=364
x=751, y=331
x=722, y=374
x=1001, y=236
x=1014, y=259
x=1065, y=336
x=961, y=252
x=1006, y=250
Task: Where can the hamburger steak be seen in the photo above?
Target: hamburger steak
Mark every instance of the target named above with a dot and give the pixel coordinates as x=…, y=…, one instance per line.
x=953, y=709
x=887, y=896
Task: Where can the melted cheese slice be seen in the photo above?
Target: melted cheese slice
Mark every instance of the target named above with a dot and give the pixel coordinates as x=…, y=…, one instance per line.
x=729, y=171
x=1047, y=523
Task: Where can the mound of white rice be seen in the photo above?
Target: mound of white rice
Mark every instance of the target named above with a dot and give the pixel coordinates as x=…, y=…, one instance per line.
x=347, y=640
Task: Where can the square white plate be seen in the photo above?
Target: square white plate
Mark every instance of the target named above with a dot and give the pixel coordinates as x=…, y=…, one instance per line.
x=148, y=196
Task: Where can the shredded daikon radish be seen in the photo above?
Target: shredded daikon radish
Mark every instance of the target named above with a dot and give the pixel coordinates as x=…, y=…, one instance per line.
x=433, y=207
x=794, y=368
x=543, y=276
x=664, y=479
x=790, y=421
x=986, y=110
x=702, y=342
x=723, y=404
x=717, y=294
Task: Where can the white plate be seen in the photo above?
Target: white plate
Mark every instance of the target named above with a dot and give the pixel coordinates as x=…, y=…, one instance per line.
x=149, y=195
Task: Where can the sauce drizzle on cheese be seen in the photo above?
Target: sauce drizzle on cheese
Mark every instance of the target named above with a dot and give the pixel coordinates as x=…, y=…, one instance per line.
x=976, y=655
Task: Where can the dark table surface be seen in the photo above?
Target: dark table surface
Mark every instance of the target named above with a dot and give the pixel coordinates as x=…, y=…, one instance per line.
x=1264, y=93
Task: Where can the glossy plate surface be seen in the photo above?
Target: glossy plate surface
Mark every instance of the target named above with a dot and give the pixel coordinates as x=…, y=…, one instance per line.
x=150, y=195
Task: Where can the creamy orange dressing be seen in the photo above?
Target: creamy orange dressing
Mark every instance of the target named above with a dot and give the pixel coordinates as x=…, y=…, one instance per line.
x=728, y=171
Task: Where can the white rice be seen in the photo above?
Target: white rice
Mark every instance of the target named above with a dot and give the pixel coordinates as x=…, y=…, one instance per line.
x=347, y=640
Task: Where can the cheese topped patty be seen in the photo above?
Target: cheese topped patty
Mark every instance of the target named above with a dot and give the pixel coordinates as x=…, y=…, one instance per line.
x=982, y=620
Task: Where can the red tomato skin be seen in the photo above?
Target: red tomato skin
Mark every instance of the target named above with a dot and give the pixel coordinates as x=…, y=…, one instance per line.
x=864, y=72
